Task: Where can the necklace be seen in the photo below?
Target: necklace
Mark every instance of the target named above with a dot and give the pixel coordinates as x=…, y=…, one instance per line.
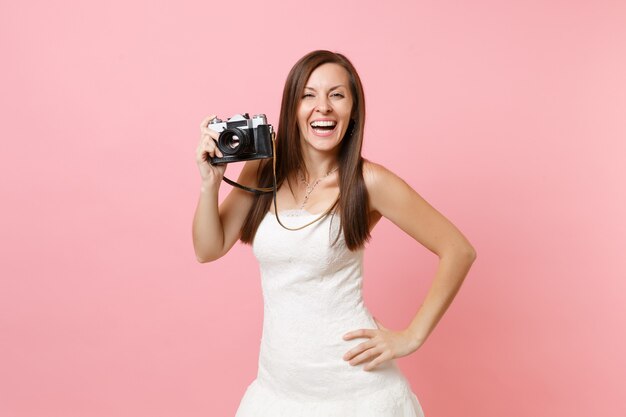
x=309, y=187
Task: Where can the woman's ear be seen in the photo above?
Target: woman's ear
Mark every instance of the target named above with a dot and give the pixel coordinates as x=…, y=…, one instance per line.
x=351, y=127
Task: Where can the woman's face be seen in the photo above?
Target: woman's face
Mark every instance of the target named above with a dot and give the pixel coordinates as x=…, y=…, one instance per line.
x=325, y=107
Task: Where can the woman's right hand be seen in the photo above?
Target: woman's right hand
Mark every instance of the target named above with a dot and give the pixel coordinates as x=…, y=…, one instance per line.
x=207, y=148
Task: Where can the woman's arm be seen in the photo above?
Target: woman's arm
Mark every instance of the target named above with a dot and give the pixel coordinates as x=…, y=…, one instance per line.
x=394, y=199
x=216, y=229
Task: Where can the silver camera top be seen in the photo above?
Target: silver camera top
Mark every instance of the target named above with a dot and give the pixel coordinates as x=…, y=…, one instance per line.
x=258, y=119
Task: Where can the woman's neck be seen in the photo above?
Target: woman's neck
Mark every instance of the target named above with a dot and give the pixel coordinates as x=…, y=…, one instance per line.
x=318, y=164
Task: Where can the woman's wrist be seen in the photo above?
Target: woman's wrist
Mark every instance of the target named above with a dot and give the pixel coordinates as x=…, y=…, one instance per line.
x=417, y=340
x=209, y=187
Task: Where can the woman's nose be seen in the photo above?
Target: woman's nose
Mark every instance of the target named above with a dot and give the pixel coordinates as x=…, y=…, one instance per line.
x=323, y=106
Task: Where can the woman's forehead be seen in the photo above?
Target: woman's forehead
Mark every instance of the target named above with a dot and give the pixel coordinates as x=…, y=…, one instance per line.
x=328, y=76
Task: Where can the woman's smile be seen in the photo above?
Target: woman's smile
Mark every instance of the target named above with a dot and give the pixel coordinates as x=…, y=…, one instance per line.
x=323, y=127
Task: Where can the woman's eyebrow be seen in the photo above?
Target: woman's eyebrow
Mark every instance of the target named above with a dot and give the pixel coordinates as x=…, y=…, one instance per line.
x=331, y=89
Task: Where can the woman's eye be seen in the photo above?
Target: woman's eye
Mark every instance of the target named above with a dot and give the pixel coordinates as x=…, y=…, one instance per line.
x=337, y=95
x=307, y=95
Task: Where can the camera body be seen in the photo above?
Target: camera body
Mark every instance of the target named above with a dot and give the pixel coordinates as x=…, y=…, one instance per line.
x=242, y=138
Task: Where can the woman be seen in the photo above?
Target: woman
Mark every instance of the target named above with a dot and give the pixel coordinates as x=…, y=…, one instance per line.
x=322, y=353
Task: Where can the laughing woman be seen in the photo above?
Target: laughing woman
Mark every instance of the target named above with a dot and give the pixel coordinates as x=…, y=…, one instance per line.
x=322, y=353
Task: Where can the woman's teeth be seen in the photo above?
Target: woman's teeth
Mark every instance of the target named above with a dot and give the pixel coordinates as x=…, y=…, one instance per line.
x=323, y=126
x=323, y=123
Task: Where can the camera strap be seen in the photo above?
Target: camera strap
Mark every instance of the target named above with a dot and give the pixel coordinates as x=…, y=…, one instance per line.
x=259, y=191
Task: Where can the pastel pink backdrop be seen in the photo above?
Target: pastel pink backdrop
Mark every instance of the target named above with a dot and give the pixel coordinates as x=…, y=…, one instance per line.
x=508, y=117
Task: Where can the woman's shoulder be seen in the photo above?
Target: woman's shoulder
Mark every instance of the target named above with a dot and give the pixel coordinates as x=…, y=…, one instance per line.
x=376, y=175
x=383, y=186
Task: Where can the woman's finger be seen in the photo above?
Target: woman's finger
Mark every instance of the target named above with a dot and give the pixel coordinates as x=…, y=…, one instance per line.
x=206, y=121
x=208, y=139
x=207, y=131
x=383, y=357
x=212, y=147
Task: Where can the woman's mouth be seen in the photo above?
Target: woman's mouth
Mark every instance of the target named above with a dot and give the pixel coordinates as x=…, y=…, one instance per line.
x=323, y=127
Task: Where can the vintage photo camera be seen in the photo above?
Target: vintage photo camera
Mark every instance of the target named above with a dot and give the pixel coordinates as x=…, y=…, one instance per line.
x=242, y=138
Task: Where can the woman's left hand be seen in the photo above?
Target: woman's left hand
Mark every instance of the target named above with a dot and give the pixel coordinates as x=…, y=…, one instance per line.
x=383, y=345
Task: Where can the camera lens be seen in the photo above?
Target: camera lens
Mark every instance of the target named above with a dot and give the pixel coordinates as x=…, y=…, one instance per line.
x=233, y=141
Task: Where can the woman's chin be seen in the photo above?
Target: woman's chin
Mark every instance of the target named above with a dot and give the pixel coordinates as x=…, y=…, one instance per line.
x=322, y=144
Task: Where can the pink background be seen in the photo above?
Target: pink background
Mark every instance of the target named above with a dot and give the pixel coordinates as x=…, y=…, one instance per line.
x=507, y=116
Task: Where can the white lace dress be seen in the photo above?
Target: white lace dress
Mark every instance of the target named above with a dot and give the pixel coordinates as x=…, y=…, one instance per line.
x=312, y=297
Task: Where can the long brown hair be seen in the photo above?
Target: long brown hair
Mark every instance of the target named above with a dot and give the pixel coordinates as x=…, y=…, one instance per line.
x=353, y=200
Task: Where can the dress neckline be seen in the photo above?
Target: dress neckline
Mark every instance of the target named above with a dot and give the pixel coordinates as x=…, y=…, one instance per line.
x=294, y=213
